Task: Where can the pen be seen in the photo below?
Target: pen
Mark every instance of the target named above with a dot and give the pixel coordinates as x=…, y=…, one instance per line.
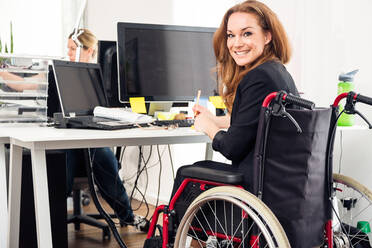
x=197, y=102
x=198, y=97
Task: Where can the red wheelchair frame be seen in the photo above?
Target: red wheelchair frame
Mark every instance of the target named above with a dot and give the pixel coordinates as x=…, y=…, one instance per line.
x=168, y=210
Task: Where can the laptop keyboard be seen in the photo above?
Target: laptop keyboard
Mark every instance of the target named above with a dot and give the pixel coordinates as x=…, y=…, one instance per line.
x=179, y=123
x=99, y=123
x=108, y=124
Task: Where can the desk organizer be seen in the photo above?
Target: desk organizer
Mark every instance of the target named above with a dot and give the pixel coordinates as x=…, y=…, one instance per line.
x=23, y=89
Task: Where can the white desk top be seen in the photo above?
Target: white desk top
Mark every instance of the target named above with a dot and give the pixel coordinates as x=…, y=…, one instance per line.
x=53, y=138
x=39, y=139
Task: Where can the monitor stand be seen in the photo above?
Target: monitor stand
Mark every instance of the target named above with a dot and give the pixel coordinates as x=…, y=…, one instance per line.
x=159, y=106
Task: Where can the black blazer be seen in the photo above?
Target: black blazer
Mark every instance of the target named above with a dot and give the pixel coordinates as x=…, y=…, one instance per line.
x=237, y=143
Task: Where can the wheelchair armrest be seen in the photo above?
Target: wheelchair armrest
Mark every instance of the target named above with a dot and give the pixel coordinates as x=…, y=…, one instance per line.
x=209, y=174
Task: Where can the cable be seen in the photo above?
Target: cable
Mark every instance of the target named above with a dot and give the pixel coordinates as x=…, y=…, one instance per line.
x=147, y=180
x=159, y=178
x=145, y=168
x=139, y=172
x=148, y=167
x=104, y=193
x=93, y=193
x=122, y=154
x=171, y=160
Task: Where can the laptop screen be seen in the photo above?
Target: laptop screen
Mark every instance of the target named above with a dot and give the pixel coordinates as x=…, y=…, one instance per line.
x=79, y=86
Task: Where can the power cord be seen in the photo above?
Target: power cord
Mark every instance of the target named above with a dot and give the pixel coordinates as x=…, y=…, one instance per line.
x=159, y=178
x=139, y=172
x=110, y=223
x=171, y=160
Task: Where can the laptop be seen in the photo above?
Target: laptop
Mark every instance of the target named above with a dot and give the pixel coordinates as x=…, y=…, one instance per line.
x=80, y=90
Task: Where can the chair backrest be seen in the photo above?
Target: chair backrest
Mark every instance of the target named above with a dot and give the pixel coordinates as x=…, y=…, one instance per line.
x=291, y=172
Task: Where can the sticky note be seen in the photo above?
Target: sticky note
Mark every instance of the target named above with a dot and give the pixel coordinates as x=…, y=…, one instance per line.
x=217, y=102
x=138, y=104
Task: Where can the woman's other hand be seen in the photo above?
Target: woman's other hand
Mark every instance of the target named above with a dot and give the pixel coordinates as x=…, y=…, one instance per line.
x=199, y=109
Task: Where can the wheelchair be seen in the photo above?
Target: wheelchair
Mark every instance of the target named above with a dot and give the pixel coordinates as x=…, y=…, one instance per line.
x=294, y=197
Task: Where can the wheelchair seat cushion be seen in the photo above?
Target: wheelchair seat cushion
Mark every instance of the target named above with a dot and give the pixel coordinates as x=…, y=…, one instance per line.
x=212, y=171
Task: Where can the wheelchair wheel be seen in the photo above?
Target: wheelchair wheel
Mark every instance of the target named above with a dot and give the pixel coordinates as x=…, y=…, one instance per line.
x=229, y=217
x=354, y=204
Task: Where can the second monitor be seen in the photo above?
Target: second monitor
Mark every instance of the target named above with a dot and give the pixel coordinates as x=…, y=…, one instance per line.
x=165, y=62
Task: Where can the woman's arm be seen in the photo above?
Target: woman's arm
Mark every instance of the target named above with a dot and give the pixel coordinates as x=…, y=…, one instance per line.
x=223, y=122
x=7, y=76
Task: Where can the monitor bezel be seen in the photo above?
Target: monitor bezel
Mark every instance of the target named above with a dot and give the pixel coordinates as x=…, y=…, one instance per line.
x=121, y=26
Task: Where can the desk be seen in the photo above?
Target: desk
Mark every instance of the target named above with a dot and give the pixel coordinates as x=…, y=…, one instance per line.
x=39, y=139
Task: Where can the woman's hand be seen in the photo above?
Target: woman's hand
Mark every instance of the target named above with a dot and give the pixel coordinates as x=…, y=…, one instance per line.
x=220, y=121
x=198, y=109
x=205, y=124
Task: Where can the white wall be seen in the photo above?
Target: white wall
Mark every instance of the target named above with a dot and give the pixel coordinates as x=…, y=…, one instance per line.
x=102, y=16
x=36, y=26
x=327, y=37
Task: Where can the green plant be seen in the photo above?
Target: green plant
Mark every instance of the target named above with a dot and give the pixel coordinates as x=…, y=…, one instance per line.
x=11, y=37
x=1, y=46
x=6, y=48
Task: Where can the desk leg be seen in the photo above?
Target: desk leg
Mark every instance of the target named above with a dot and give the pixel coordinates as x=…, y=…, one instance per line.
x=3, y=198
x=15, y=182
x=208, y=151
x=41, y=195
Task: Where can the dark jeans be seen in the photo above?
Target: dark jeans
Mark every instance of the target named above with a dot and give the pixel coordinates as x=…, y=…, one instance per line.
x=105, y=171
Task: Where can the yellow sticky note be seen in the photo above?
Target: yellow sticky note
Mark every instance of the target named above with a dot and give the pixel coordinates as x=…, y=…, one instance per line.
x=138, y=104
x=217, y=102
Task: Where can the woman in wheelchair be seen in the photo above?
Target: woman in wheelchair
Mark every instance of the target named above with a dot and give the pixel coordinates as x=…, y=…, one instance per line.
x=251, y=47
x=282, y=155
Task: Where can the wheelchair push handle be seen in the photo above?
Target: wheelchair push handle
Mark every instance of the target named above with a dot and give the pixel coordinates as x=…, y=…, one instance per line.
x=354, y=97
x=364, y=99
x=298, y=101
x=351, y=99
x=288, y=98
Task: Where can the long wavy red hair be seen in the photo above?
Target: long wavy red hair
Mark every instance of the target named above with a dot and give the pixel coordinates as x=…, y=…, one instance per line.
x=229, y=73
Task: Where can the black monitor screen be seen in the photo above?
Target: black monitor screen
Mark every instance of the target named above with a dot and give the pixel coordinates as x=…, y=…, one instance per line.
x=108, y=60
x=79, y=87
x=165, y=63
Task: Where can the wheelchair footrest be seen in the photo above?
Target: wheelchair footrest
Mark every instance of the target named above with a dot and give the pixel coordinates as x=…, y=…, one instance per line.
x=209, y=174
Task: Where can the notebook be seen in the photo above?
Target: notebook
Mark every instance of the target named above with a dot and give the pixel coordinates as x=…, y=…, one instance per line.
x=80, y=90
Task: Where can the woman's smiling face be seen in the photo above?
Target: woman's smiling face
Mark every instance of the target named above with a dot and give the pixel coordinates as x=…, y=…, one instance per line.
x=245, y=38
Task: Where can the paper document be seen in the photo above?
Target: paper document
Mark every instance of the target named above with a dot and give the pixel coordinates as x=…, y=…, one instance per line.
x=121, y=114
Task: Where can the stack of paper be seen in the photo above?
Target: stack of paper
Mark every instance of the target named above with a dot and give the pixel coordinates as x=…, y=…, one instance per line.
x=122, y=114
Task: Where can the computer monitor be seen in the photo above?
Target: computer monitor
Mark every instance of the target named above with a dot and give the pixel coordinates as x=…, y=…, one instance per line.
x=165, y=62
x=107, y=58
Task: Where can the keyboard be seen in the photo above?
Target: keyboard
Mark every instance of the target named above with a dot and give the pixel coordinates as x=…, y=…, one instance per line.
x=179, y=123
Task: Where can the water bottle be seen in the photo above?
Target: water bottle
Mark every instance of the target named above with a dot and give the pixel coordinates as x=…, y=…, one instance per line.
x=345, y=85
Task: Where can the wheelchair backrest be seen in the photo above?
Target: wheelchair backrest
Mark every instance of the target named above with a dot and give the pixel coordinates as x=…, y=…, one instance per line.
x=291, y=171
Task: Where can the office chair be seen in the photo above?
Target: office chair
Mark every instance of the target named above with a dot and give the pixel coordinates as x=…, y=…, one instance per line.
x=78, y=217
